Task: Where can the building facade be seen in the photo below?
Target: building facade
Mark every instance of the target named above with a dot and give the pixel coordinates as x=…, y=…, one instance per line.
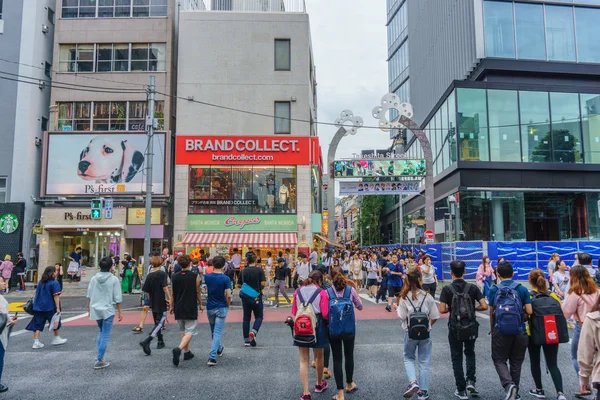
x=26, y=39
x=245, y=179
x=507, y=94
x=95, y=147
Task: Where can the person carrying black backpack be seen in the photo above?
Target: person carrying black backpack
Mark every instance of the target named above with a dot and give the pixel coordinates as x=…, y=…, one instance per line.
x=418, y=312
x=509, y=302
x=461, y=300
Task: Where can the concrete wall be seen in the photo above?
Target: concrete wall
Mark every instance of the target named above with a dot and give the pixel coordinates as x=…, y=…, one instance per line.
x=443, y=47
x=227, y=58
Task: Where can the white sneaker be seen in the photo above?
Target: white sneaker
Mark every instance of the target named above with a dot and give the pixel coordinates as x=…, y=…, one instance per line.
x=58, y=340
x=37, y=345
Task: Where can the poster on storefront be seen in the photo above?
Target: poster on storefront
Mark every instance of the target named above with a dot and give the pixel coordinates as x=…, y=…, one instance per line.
x=242, y=223
x=365, y=188
x=102, y=163
x=368, y=168
x=225, y=202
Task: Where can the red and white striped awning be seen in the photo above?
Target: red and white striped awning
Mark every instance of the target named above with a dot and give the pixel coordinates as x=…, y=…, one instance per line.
x=282, y=239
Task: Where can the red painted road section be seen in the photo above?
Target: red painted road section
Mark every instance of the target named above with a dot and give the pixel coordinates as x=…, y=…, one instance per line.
x=271, y=315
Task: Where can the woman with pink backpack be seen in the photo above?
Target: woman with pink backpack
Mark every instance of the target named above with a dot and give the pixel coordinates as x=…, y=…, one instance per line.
x=6, y=269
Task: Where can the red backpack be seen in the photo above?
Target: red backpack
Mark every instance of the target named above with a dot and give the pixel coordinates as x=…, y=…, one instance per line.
x=305, y=322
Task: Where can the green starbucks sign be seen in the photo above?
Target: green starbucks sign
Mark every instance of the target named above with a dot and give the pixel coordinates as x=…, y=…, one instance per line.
x=242, y=223
x=9, y=223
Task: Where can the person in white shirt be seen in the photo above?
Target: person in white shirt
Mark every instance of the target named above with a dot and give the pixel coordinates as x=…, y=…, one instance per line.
x=236, y=259
x=372, y=275
x=269, y=268
x=314, y=258
x=302, y=268
x=560, y=280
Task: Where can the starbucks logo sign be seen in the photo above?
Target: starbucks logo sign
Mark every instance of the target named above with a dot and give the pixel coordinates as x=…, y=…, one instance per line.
x=9, y=223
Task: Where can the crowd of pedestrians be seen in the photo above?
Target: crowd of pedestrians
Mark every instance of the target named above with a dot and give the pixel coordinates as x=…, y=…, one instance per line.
x=327, y=294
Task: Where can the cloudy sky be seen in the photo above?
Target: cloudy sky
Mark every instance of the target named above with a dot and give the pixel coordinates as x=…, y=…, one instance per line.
x=350, y=48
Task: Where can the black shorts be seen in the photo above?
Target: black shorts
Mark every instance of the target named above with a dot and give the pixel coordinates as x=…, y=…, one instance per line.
x=394, y=291
x=372, y=282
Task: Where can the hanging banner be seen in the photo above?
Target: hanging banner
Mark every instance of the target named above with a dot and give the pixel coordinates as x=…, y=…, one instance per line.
x=365, y=168
x=366, y=188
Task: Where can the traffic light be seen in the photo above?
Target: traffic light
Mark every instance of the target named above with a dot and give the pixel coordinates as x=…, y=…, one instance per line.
x=96, y=209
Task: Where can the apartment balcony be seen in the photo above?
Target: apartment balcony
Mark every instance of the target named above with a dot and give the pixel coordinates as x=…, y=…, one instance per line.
x=297, y=6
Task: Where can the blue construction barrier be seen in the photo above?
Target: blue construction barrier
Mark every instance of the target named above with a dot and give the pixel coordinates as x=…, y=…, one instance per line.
x=524, y=256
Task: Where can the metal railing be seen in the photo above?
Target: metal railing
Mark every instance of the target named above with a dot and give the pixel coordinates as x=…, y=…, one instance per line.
x=298, y=6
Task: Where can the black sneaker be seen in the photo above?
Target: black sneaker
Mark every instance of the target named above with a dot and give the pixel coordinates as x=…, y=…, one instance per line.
x=537, y=393
x=511, y=392
x=188, y=356
x=176, y=356
x=160, y=344
x=3, y=388
x=461, y=394
x=220, y=351
x=388, y=308
x=211, y=362
x=146, y=345
x=252, y=339
x=471, y=389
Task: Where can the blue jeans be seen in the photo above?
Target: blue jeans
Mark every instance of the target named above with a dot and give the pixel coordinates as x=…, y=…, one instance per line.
x=1, y=360
x=216, y=319
x=423, y=348
x=250, y=307
x=575, y=346
x=105, y=325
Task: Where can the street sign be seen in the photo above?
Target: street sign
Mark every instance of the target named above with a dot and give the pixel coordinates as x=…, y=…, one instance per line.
x=96, y=211
x=428, y=241
x=429, y=234
x=37, y=229
x=108, y=208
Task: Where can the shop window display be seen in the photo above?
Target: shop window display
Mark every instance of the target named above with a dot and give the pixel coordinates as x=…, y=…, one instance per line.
x=242, y=190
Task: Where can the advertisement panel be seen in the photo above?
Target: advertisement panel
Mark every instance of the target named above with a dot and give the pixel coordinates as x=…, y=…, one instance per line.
x=242, y=223
x=97, y=163
x=245, y=150
x=366, y=188
x=370, y=168
x=137, y=216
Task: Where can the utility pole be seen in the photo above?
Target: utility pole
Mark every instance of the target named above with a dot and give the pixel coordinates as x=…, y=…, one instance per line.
x=149, y=157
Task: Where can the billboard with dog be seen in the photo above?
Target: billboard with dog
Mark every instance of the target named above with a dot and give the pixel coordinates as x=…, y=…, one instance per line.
x=97, y=163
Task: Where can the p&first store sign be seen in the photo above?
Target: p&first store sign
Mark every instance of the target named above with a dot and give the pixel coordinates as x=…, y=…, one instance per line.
x=246, y=150
x=242, y=223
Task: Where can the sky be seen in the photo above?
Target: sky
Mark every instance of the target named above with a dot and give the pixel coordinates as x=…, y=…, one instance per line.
x=350, y=50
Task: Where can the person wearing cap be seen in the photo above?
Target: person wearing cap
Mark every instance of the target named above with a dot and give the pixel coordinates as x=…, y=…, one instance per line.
x=281, y=273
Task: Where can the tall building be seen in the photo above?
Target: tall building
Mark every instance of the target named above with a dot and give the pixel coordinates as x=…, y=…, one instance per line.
x=247, y=155
x=104, y=54
x=26, y=39
x=508, y=95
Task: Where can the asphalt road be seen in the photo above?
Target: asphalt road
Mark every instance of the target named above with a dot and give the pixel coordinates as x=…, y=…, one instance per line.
x=269, y=371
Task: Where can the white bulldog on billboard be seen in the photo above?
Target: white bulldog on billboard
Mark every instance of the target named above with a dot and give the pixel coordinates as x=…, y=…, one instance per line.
x=88, y=164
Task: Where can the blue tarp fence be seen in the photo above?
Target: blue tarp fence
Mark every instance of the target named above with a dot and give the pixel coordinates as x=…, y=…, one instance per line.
x=524, y=256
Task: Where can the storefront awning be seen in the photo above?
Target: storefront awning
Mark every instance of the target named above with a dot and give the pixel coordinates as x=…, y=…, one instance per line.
x=280, y=239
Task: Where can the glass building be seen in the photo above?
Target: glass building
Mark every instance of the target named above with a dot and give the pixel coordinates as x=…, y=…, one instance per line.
x=508, y=97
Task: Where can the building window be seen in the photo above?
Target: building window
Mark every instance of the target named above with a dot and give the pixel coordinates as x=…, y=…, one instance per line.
x=3, y=182
x=51, y=15
x=473, y=131
x=107, y=116
x=282, y=55
x=261, y=189
x=560, y=33
x=499, y=29
x=535, y=126
x=590, y=113
x=114, y=8
x=505, y=143
x=530, y=31
x=48, y=69
x=588, y=31
x=44, y=124
x=566, y=128
x=282, y=117
x=108, y=57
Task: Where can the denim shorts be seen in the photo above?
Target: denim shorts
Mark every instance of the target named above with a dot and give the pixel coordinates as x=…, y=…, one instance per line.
x=321, y=333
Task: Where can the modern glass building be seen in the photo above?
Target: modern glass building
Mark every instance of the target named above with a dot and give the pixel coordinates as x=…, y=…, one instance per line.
x=507, y=93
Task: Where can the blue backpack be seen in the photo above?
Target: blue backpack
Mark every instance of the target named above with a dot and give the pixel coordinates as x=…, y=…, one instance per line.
x=508, y=310
x=342, y=321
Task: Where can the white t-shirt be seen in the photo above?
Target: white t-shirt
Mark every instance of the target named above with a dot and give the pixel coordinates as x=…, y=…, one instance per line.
x=236, y=259
x=561, y=280
x=430, y=277
x=405, y=309
x=303, y=270
x=269, y=265
x=327, y=261
x=372, y=270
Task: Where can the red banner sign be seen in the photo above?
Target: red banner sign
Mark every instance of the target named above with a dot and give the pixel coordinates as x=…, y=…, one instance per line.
x=246, y=150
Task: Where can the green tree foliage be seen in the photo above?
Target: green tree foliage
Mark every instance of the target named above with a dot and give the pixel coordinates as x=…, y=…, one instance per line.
x=564, y=144
x=369, y=219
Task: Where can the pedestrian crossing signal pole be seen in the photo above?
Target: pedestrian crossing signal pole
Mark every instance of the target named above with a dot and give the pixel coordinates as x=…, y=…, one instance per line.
x=150, y=121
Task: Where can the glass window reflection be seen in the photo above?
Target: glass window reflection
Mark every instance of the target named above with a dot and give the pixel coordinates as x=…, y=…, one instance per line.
x=566, y=130
x=535, y=126
x=560, y=33
x=505, y=144
x=529, y=19
x=588, y=32
x=590, y=114
x=473, y=131
x=499, y=29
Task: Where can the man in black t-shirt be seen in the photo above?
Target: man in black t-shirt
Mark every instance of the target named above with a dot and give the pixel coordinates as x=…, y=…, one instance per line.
x=187, y=299
x=457, y=270
x=254, y=277
x=158, y=293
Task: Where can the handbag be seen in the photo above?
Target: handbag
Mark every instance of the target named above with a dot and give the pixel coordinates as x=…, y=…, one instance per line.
x=28, y=307
x=249, y=291
x=73, y=267
x=54, y=322
x=3, y=322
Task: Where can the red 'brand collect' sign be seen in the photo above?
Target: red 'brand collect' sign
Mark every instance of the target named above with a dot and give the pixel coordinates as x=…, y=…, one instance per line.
x=246, y=150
